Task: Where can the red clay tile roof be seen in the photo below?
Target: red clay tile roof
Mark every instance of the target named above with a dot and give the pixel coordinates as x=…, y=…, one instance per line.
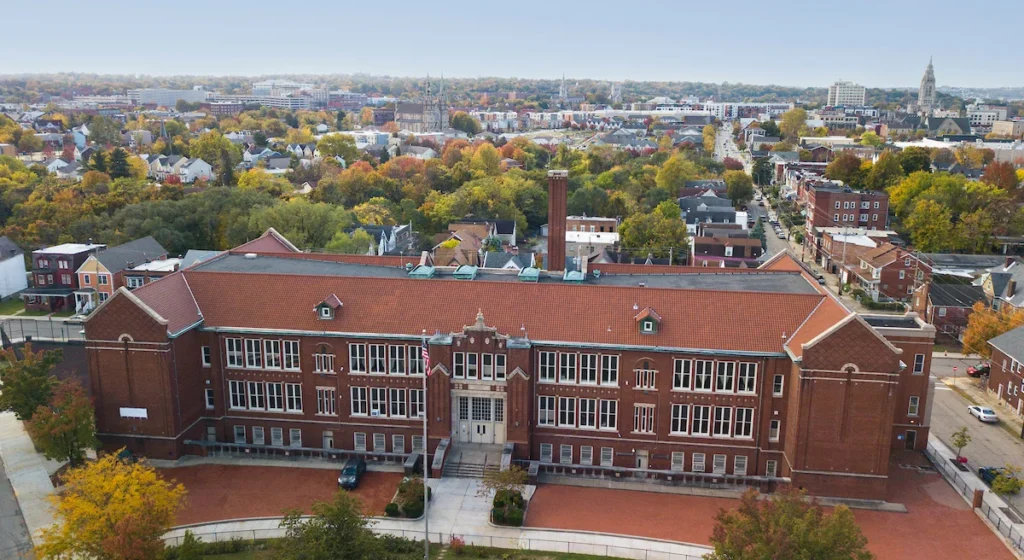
x=269, y=242
x=172, y=299
x=781, y=261
x=647, y=312
x=827, y=314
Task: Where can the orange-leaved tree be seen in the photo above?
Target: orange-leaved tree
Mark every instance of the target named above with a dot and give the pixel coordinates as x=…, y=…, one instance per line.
x=65, y=427
x=986, y=323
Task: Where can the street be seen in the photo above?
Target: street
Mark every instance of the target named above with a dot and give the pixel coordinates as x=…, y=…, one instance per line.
x=14, y=538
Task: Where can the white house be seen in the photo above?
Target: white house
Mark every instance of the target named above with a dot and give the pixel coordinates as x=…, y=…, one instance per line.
x=12, y=268
x=52, y=165
x=195, y=169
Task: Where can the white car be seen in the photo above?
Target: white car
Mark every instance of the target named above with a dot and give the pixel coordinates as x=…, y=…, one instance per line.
x=983, y=413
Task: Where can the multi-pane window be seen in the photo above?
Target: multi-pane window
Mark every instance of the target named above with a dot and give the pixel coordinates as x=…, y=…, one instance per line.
x=744, y=423
x=293, y=392
x=325, y=401
x=459, y=365
x=357, y=358
x=379, y=442
x=234, y=352
x=359, y=401
x=609, y=410
x=919, y=363
x=609, y=370
x=396, y=360
x=546, y=450
x=464, y=408
x=646, y=378
x=771, y=467
x=773, y=430
x=295, y=437
x=680, y=417
x=681, y=377
x=586, y=455
x=725, y=376
x=275, y=396
x=777, y=382
x=697, y=465
x=256, y=397
x=417, y=404
x=417, y=444
x=377, y=358
x=914, y=405
x=567, y=367
x=499, y=410
x=359, y=441
x=565, y=454
x=643, y=419
x=607, y=456
x=548, y=366
x=588, y=413
x=239, y=434
x=566, y=411
x=207, y=358
x=237, y=391
x=415, y=360
x=678, y=460
x=378, y=401
x=718, y=464
x=487, y=367
x=277, y=436
x=398, y=443
x=323, y=363
x=701, y=420
x=746, y=379
x=472, y=366
x=210, y=400
x=291, y=355
x=253, y=354
x=723, y=421
x=398, y=403
x=257, y=435
x=739, y=465
x=703, y=375
x=588, y=368
x=499, y=367
x=545, y=411
x=272, y=354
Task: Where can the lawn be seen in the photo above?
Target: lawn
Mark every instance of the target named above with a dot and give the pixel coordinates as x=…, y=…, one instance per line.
x=34, y=313
x=11, y=306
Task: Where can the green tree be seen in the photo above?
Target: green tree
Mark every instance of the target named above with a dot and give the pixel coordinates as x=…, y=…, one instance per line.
x=337, y=530
x=762, y=171
x=758, y=233
x=356, y=243
x=513, y=479
x=960, y=439
x=1007, y=481
x=119, y=164
x=99, y=161
x=792, y=121
x=462, y=121
x=846, y=168
x=771, y=128
x=660, y=233
x=738, y=187
x=65, y=428
x=341, y=145
x=930, y=227
x=104, y=131
x=486, y=159
x=675, y=172
x=871, y=139
x=915, y=158
x=27, y=381
x=786, y=526
x=588, y=201
x=219, y=152
x=886, y=172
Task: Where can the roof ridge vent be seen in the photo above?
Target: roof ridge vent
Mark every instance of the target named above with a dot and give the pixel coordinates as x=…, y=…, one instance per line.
x=250, y=256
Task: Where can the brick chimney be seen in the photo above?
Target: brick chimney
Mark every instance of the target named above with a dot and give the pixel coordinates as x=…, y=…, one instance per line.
x=558, y=185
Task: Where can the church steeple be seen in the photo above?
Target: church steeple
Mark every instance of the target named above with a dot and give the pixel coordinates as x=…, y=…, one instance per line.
x=926, y=94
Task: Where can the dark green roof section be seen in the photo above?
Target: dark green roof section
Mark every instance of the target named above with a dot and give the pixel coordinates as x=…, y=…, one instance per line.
x=422, y=271
x=574, y=276
x=529, y=274
x=465, y=272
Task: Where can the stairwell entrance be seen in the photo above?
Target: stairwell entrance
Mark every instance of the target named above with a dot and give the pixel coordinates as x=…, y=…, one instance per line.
x=472, y=460
x=479, y=419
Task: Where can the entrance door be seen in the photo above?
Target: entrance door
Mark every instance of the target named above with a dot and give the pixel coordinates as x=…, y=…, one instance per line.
x=482, y=432
x=641, y=459
x=911, y=439
x=328, y=440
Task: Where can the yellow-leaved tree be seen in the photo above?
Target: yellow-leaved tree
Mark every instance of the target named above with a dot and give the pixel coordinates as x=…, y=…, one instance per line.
x=986, y=323
x=112, y=509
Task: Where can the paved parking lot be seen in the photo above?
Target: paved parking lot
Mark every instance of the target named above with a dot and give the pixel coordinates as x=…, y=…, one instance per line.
x=939, y=523
x=217, y=492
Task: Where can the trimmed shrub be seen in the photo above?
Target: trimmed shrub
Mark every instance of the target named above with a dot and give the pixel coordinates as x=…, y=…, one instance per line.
x=413, y=509
x=498, y=515
x=392, y=510
x=514, y=517
x=400, y=545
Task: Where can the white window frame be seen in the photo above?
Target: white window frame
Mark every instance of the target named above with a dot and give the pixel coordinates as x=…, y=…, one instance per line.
x=294, y=437
x=293, y=397
x=326, y=401
x=209, y=398
x=500, y=367
x=778, y=385
x=256, y=392
x=607, y=457
x=415, y=359
x=397, y=443
x=253, y=353
x=323, y=363
x=236, y=390
x=397, y=403
x=743, y=427
x=380, y=442
x=487, y=367
x=588, y=369
x=719, y=463
x=697, y=463
x=567, y=367
x=235, y=352
x=678, y=461
x=271, y=354
x=608, y=410
x=360, y=402
x=417, y=445
x=746, y=378
x=565, y=454
x=722, y=426
x=587, y=413
x=566, y=412
x=459, y=365
x=379, y=402
x=919, y=367
x=472, y=365
x=275, y=396
x=357, y=358
x=258, y=435
x=548, y=367
x=239, y=433
x=646, y=379
x=546, y=410
x=359, y=441
x=700, y=422
x=377, y=359
x=680, y=419
x=207, y=356
x=290, y=354
x=609, y=369
x=739, y=465
x=277, y=437
x=774, y=430
x=703, y=374
x=546, y=453
x=586, y=455
x=396, y=360
x=644, y=419
x=914, y=406
x=417, y=403
x=771, y=468
x=725, y=377
x=682, y=374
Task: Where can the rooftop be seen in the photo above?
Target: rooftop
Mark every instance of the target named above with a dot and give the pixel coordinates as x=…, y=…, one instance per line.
x=69, y=249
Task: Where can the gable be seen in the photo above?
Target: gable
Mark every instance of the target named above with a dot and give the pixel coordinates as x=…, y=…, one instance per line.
x=853, y=343
x=121, y=313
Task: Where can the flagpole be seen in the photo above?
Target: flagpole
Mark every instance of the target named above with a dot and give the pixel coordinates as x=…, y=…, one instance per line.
x=426, y=455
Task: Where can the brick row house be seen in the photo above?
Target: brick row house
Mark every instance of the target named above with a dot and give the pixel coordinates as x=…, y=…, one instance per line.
x=756, y=376
x=1006, y=376
x=53, y=276
x=888, y=272
x=106, y=270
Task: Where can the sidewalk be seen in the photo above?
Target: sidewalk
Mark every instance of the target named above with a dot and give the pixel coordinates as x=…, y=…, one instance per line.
x=27, y=471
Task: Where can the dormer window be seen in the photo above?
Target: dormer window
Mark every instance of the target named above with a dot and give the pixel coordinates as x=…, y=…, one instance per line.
x=326, y=312
x=648, y=320
x=328, y=308
x=648, y=326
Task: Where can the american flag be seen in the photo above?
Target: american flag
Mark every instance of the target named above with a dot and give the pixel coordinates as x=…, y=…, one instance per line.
x=425, y=353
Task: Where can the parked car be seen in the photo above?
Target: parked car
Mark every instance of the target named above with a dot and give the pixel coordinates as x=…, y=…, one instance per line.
x=760, y=203
x=781, y=235
x=820, y=279
x=983, y=413
x=351, y=473
x=980, y=369
x=988, y=475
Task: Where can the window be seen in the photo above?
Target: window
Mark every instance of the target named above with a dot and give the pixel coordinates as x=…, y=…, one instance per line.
x=326, y=312
x=464, y=408
x=726, y=371
x=359, y=441
x=417, y=444
x=914, y=405
x=257, y=435
x=239, y=434
x=294, y=393
x=359, y=401
x=680, y=418
x=380, y=442
x=397, y=443
x=919, y=363
x=874, y=217
x=723, y=421
x=234, y=352
x=396, y=360
x=253, y=354
x=607, y=457
x=876, y=204
x=499, y=367
x=210, y=402
x=771, y=466
x=906, y=262
x=567, y=368
x=256, y=398
x=87, y=280
x=773, y=430
x=104, y=296
x=903, y=274
x=681, y=377
x=499, y=410
x=586, y=455
x=609, y=410
x=565, y=454
x=545, y=411
x=415, y=360
x=291, y=356
x=322, y=363
x=207, y=358
x=377, y=359
x=701, y=420
x=547, y=366
x=744, y=423
x=588, y=413
x=837, y=205
x=545, y=452
x=459, y=365
x=567, y=411
x=132, y=282
x=357, y=358
x=702, y=375
x=739, y=465
x=398, y=403
x=378, y=401
x=277, y=436
x=718, y=464
x=646, y=378
x=698, y=462
x=237, y=391
x=588, y=368
x=417, y=403
x=609, y=370
x=777, y=382
x=487, y=367
x=326, y=397
x=746, y=380
x=835, y=218
x=678, y=461
x=275, y=396
x=643, y=419
x=103, y=279
x=272, y=354
x=295, y=437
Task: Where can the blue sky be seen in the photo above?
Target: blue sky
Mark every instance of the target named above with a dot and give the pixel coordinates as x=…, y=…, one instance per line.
x=791, y=42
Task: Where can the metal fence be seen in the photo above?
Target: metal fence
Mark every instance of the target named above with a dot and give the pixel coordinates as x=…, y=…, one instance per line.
x=956, y=478
x=509, y=543
x=44, y=329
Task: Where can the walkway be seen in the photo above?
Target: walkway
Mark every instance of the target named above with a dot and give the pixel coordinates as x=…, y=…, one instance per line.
x=28, y=474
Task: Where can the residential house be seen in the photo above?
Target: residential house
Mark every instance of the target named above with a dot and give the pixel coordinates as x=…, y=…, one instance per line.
x=947, y=302
x=389, y=240
x=505, y=230
x=725, y=252
x=8, y=150
x=142, y=274
x=253, y=154
x=12, y=268
x=103, y=272
x=890, y=272
x=708, y=210
x=591, y=224
x=53, y=164
x=81, y=136
x=54, y=278
x=701, y=186
x=508, y=261
x=1006, y=375
x=833, y=248
x=938, y=126
x=73, y=170
x=194, y=170
x=1004, y=284
x=832, y=205
x=419, y=152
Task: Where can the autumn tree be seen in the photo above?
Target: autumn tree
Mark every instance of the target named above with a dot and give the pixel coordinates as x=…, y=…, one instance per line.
x=462, y=121
x=915, y=158
x=65, y=428
x=337, y=530
x=960, y=439
x=930, y=226
x=786, y=526
x=1007, y=481
x=340, y=145
x=660, y=233
x=738, y=187
x=675, y=172
x=486, y=160
x=1002, y=175
x=846, y=168
x=513, y=479
x=986, y=323
x=27, y=380
x=709, y=138
x=112, y=509
x=885, y=173
x=792, y=121
x=732, y=164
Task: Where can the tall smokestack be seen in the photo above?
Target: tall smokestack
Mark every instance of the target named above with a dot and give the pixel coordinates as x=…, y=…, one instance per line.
x=558, y=186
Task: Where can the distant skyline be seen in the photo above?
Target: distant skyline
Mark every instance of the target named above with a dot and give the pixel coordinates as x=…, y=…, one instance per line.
x=799, y=43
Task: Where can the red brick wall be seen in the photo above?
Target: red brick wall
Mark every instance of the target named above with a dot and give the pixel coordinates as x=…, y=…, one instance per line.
x=1004, y=380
